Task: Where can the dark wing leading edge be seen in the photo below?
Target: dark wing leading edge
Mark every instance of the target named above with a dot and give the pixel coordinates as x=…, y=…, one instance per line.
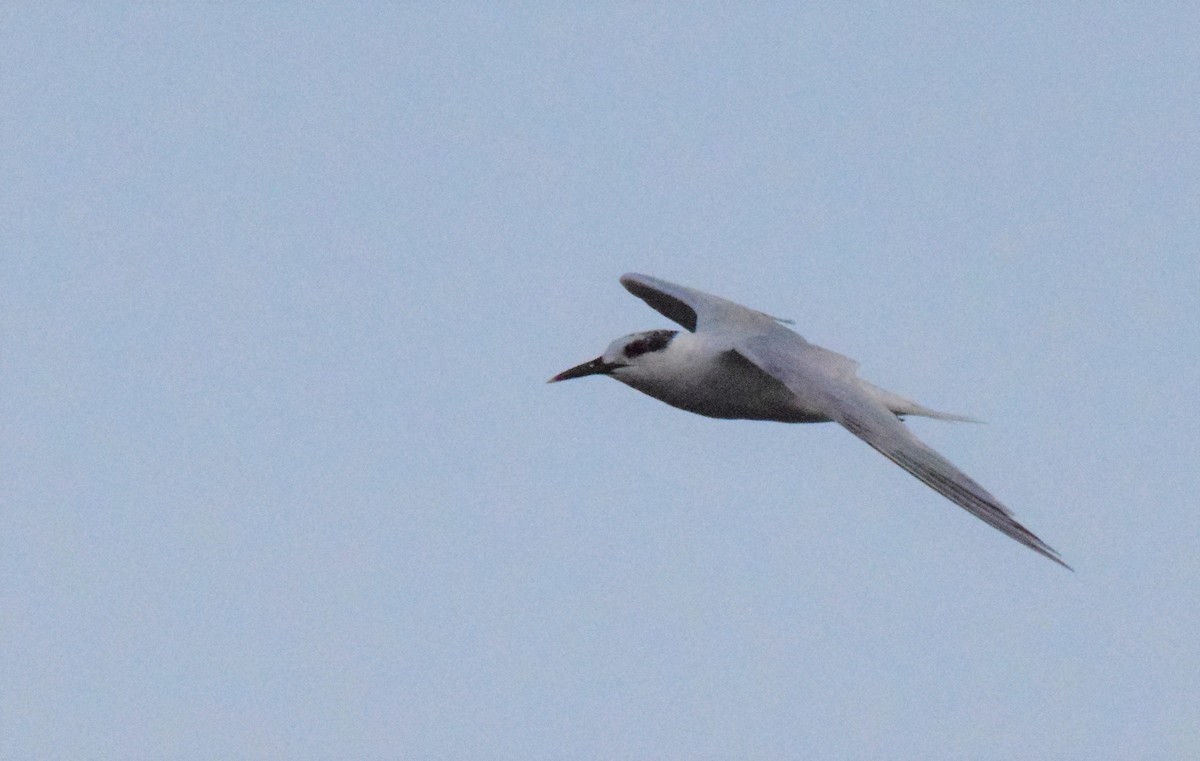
x=696, y=310
x=843, y=399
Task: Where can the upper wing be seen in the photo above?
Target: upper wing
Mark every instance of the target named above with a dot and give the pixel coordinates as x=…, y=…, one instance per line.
x=696, y=310
x=840, y=397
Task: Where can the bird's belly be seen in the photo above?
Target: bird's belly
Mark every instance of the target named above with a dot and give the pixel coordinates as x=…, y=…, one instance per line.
x=749, y=395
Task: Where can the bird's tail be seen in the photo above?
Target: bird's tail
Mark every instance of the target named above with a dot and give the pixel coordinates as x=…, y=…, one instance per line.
x=901, y=406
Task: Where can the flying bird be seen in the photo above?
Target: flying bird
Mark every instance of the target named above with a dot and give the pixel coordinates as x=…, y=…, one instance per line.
x=736, y=362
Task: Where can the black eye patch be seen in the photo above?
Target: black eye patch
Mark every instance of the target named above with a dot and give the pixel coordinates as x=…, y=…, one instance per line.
x=655, y=340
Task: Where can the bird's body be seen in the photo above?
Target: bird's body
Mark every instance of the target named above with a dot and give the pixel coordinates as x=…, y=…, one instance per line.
x=697, y=372
x=735, y=362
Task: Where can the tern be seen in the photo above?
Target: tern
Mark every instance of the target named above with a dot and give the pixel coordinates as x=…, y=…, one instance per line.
x=736, y=362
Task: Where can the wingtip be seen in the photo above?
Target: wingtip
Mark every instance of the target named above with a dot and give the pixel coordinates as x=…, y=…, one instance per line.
x=1061, y=562
x=1047, y=551
x=629, y=277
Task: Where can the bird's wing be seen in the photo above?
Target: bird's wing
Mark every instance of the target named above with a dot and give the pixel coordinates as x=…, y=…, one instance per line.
x=696, y=310
x=840, y=397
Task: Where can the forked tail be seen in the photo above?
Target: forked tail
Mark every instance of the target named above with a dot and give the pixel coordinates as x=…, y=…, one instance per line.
x=901, y=406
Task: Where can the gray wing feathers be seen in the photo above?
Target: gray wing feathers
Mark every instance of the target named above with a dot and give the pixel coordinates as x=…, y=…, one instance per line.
x=894, y=441
x=825, y=382
x=841, y=396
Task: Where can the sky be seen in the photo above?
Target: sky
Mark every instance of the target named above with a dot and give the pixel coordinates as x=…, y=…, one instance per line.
x=281, y=476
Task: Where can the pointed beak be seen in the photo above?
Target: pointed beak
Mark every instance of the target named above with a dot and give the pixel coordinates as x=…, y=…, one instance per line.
x=595, y=367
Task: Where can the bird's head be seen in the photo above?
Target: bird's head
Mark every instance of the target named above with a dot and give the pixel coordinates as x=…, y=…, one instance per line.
x=624, y=356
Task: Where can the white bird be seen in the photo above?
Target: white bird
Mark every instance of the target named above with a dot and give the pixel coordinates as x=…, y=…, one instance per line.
x=736, y=362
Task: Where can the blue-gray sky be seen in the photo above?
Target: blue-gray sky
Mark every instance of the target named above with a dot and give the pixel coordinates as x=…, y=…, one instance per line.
x=281, y=476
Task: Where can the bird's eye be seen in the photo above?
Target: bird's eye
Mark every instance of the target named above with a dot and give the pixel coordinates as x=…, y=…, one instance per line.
x=655, y=340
